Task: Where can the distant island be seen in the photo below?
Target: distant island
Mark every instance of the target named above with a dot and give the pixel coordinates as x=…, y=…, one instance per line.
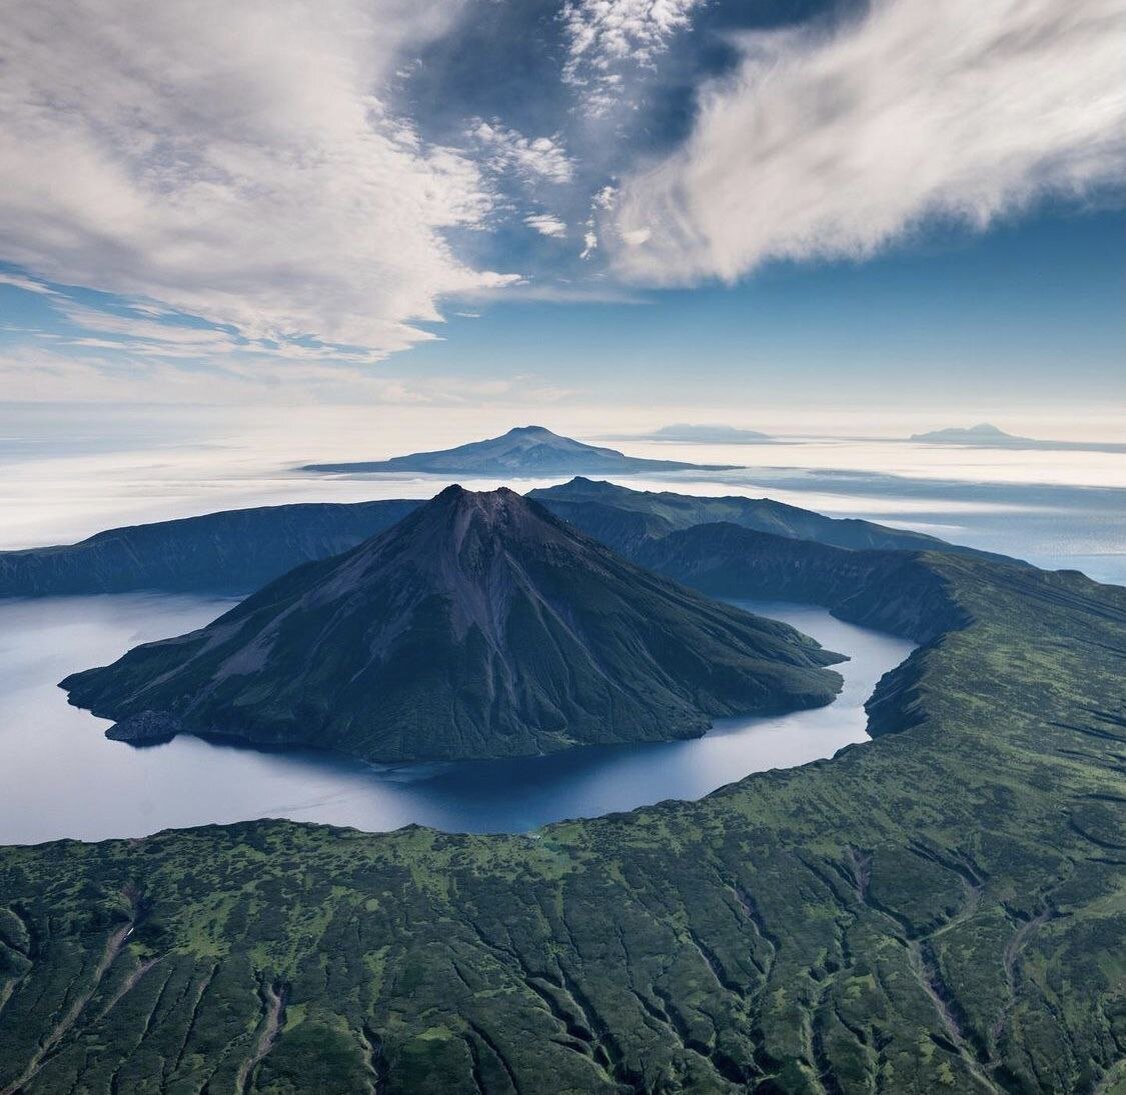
x=523, y=451
x=981, y=434
x=989, y=436
x=702, y=434
x=478, y=626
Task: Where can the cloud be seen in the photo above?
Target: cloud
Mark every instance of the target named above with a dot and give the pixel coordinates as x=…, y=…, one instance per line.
x=836, y=146
x=534, y=159
x=546, y=224
x=46, y=374
x=144, y=332
x=607, y=39
x=28, y=285
x=239, y=163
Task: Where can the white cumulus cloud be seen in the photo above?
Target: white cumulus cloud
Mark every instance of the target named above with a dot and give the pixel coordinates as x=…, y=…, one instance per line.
x=238, y=162
x=835, y=146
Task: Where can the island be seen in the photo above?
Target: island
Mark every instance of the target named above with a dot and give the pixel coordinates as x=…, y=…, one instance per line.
x=522, y=452
x=984, y=435
x=479, y=626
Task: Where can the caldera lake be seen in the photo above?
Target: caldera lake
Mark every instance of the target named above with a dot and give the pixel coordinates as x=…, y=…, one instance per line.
x=61, y=778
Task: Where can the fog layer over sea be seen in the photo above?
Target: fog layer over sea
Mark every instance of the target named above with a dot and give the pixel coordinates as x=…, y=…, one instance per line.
x=69, y=472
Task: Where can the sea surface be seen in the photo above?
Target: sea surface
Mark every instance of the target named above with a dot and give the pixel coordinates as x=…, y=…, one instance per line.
x=60, y=777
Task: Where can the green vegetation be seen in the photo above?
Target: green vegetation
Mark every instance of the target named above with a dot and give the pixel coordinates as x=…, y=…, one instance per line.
x=943, y=909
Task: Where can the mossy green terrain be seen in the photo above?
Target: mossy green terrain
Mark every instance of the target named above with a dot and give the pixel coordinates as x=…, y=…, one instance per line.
x=941, y=910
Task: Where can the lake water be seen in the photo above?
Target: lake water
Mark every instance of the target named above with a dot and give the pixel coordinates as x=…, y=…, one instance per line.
x=60, y=777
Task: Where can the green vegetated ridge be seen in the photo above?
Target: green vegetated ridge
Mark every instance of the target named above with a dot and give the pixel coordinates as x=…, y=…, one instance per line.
x=625, y=518
x=479, y=626
x=942, y=909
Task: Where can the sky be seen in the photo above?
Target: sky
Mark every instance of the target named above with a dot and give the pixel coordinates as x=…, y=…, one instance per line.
x=766, y=213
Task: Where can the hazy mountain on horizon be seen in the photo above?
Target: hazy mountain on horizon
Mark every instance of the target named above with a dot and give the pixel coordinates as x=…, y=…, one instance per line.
x=988, y=436
x=480, y=625
x=981, y=434
x=522, y=451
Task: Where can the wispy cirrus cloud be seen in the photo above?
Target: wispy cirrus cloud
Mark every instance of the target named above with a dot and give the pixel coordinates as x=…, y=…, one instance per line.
x=825, y=146
x=49, y=373
x=239, y=163
x=28, y=285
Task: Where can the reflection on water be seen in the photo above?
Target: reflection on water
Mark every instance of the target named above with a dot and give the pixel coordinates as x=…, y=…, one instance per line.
x=62, y=778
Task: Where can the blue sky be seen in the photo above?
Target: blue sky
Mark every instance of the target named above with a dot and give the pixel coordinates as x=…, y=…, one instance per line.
x=784, y=204
x=1029, y=312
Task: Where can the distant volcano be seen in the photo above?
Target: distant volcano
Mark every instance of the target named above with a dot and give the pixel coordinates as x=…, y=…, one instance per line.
x=480, y=625
x=981, y=434
x=526, y=450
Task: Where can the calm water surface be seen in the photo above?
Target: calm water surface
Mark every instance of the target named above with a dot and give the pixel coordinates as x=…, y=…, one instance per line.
x=60, y=777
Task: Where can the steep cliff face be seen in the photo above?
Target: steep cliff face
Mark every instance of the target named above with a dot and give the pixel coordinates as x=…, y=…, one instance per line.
x=478, y=626
x=921, y=596
x=896, y=591
x=235, y=551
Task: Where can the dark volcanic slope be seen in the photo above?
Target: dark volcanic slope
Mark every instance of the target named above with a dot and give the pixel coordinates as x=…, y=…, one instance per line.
x=526, y=450
x=479, y=626
x=623, y=518
x=235, y=551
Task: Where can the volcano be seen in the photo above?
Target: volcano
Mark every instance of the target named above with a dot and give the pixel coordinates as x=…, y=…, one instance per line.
x=524, y=451
x=480, y=625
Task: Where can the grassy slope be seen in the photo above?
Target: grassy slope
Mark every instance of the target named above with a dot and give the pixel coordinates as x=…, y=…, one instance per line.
x=941, y=910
